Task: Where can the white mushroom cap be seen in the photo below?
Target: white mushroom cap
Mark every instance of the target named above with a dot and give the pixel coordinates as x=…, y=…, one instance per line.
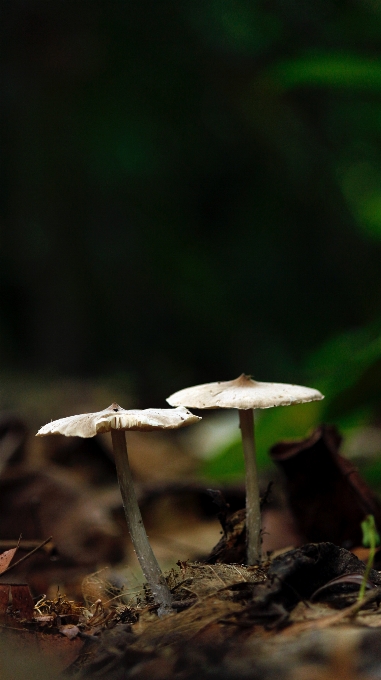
x=243, y=393
x=117, y=418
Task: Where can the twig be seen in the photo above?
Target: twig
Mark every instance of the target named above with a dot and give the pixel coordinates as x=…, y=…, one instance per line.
x=28, y=555
x=6, y=544
x=218, y=576
x=241, y=575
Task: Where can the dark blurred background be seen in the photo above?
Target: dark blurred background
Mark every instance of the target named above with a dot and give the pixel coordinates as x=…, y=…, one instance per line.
x=191, y=190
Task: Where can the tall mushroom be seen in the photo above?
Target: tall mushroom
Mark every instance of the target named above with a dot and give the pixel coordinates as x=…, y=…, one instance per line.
x=246, y=394
x=116, y=420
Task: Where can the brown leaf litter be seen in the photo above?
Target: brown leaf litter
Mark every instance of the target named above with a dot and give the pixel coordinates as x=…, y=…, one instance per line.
x=226, y=607
x=230, y=621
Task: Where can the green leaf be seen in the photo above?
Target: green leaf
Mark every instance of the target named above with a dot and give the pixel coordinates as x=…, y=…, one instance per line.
x=370, y=537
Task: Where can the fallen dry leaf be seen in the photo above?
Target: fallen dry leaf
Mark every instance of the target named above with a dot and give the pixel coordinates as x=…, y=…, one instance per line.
x=6, y=558
x=326, y=494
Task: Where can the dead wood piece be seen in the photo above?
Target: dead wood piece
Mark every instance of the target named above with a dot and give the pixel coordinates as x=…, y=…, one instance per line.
x=231, y=548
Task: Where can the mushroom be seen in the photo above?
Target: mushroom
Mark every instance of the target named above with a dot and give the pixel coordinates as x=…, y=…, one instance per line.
x=116, y=420
x=246, y=394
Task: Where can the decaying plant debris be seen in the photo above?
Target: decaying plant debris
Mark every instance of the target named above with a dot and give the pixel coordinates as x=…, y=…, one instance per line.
x=230, y=621
x=236, y=621
x=295, y=616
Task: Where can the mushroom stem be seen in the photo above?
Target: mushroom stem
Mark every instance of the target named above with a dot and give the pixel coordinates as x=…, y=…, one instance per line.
x=147, y=559
x=253, y=512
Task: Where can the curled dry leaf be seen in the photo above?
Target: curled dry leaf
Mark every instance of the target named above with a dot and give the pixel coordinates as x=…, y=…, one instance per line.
x=6, y=558
x=326, y=494
x=348, y=579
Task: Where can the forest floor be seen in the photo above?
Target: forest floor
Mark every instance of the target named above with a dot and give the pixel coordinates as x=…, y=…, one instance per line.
x=295, y=617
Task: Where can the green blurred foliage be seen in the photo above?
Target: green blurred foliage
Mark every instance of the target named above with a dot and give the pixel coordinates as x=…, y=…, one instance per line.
x=272, y=425
x=329, y=70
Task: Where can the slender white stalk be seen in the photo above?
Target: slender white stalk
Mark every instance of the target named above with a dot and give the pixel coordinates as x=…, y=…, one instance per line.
x=147, y=559
x=253, y=512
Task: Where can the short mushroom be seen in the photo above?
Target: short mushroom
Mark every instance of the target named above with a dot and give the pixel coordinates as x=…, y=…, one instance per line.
x=116, y=420
x=246, y=394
